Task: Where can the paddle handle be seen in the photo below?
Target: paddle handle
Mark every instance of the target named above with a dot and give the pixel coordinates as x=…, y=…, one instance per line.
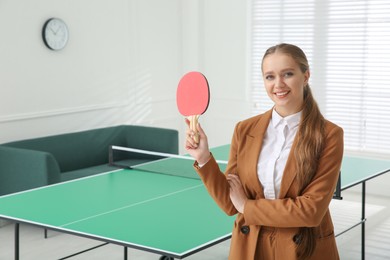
x=193, y=123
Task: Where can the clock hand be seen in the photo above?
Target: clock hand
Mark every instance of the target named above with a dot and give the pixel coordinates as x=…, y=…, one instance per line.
x=58, y=28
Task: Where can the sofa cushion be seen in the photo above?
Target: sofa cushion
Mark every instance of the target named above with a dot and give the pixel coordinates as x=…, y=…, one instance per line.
x=85, y=172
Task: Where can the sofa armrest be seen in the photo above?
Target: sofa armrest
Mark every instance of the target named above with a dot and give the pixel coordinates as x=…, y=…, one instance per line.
x=22, y=169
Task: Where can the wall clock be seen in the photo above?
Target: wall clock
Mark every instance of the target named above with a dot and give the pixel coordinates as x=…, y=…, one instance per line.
x=55, y=34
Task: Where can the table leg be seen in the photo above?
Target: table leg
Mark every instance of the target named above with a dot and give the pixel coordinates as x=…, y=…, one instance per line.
x=363, y=219
x=16, y=241
x=337, y=193
x=125, y=253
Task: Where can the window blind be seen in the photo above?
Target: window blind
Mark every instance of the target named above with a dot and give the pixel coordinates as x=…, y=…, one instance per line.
x=347, y=43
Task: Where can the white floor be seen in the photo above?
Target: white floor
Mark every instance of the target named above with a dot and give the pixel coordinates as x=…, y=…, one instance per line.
x=345, y=213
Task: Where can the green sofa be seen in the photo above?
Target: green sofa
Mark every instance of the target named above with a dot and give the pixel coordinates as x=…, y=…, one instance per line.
x=47, y=160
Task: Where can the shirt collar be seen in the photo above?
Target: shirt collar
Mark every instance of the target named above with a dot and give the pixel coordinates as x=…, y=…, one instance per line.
x=291, y=121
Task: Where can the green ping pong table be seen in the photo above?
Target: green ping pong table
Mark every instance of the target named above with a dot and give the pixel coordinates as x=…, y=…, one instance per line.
x=357, y=171
x=169, y=214
x=161, y=207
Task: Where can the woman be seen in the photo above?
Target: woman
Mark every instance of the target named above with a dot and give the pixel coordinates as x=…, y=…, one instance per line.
x=282, y=171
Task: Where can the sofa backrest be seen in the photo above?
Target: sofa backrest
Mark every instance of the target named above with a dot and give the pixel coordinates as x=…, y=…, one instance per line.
x=152, y=139
x=74, y=151
x=77, y=150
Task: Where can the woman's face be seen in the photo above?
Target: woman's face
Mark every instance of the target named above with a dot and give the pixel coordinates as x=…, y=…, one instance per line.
x=284, y=82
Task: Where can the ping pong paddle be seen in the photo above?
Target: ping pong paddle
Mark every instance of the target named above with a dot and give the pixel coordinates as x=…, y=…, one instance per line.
x=192, y=98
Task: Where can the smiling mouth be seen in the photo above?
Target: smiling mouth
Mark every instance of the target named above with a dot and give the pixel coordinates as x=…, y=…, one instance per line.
x=281, y=94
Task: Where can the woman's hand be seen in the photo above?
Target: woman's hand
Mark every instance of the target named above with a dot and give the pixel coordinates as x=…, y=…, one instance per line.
x=200, y=151
x=237, y=194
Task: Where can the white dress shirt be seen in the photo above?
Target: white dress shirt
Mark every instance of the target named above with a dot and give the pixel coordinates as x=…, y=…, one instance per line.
x=275, y=150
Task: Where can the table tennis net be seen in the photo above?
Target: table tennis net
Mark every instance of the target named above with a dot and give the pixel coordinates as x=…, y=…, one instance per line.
x=156, y=162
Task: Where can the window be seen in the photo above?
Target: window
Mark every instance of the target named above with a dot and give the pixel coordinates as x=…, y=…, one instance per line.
x=348, y=47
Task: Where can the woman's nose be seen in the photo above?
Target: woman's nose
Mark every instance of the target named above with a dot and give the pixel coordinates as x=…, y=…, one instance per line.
x=279, y=82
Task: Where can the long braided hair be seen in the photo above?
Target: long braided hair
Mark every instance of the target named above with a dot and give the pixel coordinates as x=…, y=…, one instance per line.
x=310, y=143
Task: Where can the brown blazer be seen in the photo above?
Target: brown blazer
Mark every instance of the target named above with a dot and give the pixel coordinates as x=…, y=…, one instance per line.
x=289, y=211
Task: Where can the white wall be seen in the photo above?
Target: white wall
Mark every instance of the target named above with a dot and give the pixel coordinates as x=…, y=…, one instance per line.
x=45, y=92
x=121, y=65
x=224, y=57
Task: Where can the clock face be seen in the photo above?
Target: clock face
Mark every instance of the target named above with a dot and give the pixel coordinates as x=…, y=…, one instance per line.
x=55, y=34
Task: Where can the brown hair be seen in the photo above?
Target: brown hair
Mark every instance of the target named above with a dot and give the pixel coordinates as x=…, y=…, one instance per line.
x=310, y=143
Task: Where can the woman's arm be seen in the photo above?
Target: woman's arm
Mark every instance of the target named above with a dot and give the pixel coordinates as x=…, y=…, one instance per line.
x=215, y=181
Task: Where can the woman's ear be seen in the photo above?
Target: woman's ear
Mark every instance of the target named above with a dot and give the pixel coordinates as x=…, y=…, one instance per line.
x=307, y=76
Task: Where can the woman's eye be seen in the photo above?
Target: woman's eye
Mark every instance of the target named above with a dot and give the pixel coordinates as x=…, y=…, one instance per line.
x=269, y=77
x=288, y=74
